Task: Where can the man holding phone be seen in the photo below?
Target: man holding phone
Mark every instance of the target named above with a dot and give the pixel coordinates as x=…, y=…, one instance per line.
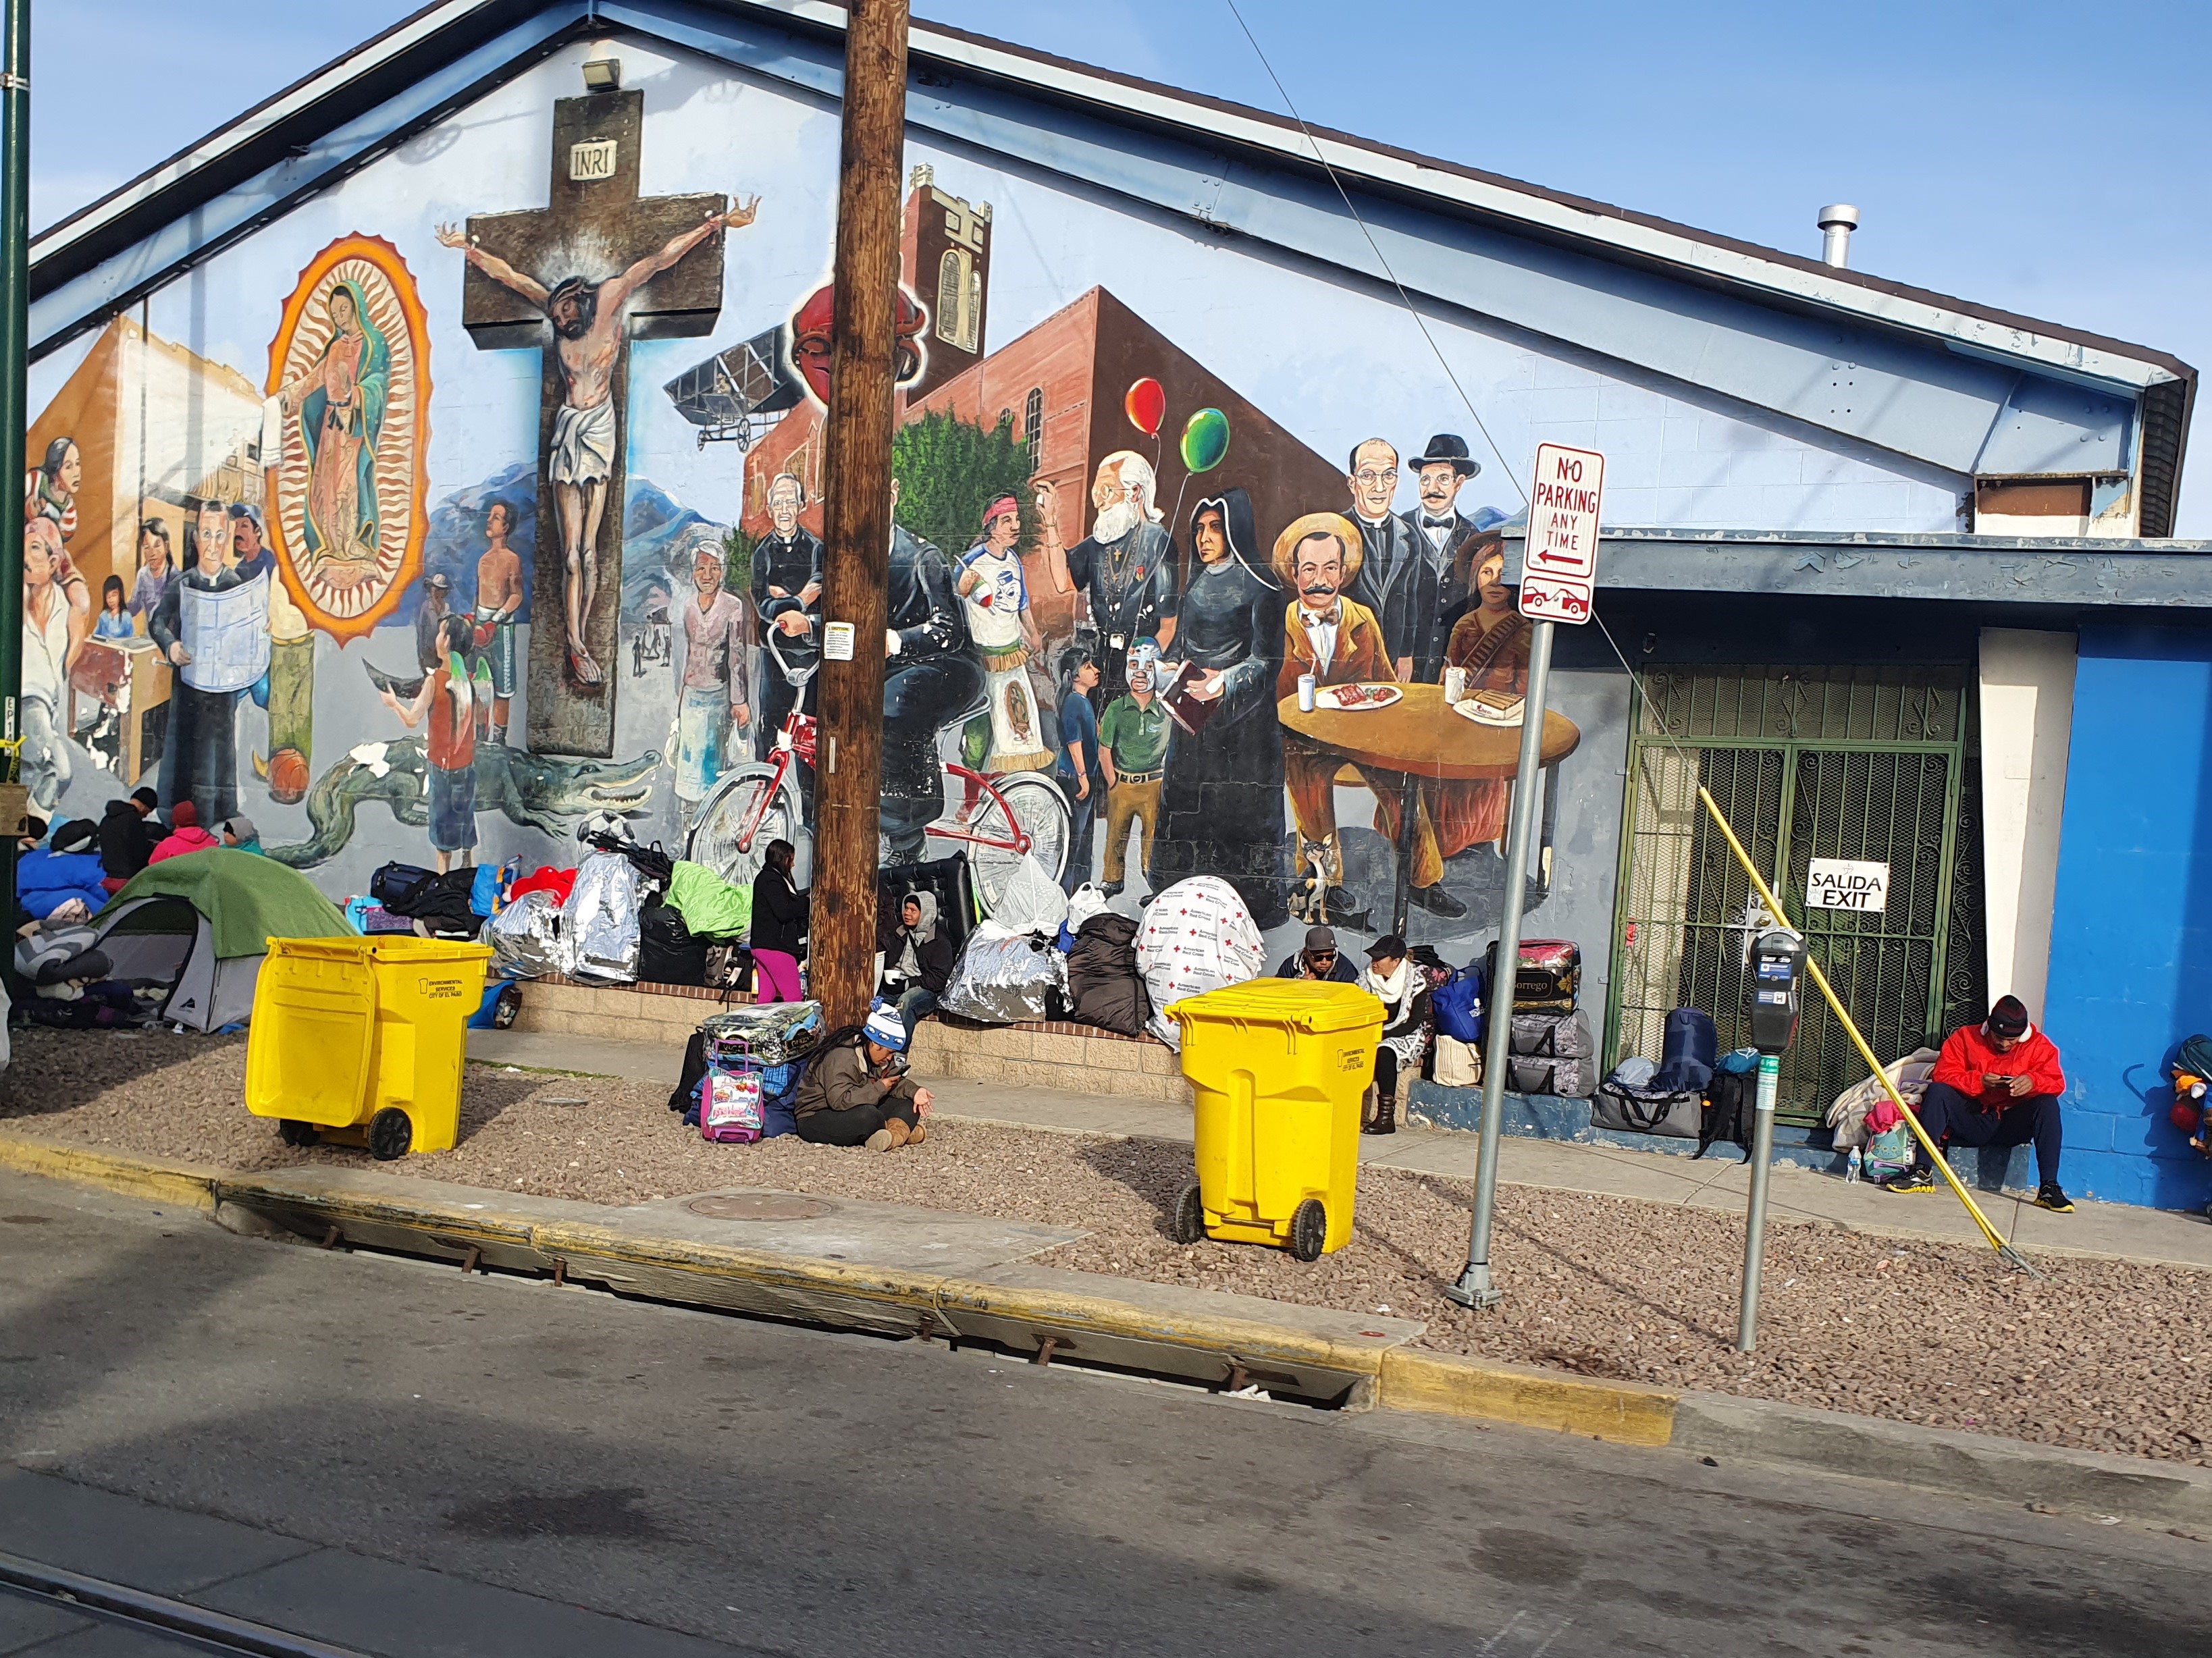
x=1995, y=1084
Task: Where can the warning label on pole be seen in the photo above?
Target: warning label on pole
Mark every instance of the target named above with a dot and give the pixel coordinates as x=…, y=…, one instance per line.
x=1558, y=575
x=1848, y=883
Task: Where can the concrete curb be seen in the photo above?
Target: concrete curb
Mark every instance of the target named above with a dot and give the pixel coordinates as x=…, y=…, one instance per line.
x=1201, y=1335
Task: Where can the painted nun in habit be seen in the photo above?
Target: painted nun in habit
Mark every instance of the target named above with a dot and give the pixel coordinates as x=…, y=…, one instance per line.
x=1221, y=804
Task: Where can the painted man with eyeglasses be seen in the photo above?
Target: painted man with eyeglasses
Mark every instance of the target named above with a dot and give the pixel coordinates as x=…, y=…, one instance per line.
x=1398, y=577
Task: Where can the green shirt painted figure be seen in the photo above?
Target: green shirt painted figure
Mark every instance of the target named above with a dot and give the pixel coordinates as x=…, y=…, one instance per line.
x=1137, y=736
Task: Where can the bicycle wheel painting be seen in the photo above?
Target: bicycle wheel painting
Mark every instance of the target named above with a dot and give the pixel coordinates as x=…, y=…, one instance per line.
x=1026, y=816
x=747, y=811
x=349, y=392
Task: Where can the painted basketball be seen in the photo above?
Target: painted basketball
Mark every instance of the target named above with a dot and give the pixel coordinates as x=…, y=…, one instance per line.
x=288, y=776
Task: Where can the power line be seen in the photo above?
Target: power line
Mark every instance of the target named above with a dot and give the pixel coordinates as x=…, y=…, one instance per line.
x=1414, y=311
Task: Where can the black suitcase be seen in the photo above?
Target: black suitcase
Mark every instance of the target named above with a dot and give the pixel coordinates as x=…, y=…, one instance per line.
x=1550, y=976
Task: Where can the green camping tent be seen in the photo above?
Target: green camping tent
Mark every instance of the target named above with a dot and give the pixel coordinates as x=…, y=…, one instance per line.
x=201, y=924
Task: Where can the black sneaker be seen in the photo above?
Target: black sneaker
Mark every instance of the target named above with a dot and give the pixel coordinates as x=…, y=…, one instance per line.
x=1911, y=1182
x=2048, y=1196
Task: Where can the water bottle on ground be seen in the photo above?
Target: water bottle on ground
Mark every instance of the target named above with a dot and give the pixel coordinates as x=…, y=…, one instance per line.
x=1857, y=1169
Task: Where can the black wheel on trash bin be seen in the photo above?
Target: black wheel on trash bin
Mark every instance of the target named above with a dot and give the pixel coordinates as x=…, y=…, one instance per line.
x=1309, y=1230
x=390, y=1134
x=505, y=1007
x=1190, y=1214
x=293, y=1132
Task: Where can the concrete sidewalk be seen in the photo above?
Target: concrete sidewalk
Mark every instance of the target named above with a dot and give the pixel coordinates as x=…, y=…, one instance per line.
x=1718, y=1181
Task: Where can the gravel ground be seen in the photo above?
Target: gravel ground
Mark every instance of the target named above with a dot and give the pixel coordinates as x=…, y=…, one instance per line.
x=2106, y=1356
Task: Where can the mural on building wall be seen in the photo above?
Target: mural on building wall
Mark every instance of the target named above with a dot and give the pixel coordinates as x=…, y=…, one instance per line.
x=382, y=619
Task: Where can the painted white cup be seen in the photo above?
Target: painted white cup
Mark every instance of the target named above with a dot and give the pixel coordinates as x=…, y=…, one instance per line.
x=1455, y=686
x=1306, y=683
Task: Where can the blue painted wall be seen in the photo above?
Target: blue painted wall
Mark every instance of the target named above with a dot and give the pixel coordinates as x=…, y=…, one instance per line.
x=2131, y=933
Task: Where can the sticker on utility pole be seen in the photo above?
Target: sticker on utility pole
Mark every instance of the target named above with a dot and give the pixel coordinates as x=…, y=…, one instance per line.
x=837, y=642
x=1559, y=573
x=1848, y=883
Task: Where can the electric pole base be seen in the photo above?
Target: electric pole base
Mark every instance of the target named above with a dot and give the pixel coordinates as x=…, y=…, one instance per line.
x=1474, y=1289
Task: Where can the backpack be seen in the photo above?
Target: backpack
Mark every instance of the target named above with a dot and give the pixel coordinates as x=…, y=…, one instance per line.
x=2195, y=1058
x=1889, y=1152
x=1730, y=1112
x=1689, y=1049
x=731, y=1108
x=395, y=884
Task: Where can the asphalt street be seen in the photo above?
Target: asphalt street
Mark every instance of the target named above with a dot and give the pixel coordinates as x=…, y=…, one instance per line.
x=403, y=1459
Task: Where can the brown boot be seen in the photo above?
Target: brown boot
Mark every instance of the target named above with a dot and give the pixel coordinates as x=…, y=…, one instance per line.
x=1386, y=1116
x=918, y=1133
x=1367, y=1107
x=898, y=1131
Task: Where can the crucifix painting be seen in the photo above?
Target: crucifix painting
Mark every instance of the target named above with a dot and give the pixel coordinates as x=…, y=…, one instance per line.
x=597, y=266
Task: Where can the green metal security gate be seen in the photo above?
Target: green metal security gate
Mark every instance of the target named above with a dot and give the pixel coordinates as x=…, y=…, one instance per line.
x=1868, y=763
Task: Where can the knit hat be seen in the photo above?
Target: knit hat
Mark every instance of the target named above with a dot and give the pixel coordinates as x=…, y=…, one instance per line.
x=885, y=1029
x=146, y=797
x=2009, y=1017
x=241, y=826
x=184, y=815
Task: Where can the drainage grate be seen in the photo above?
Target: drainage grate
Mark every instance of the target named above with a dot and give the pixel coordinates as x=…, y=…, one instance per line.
x=758, y=1205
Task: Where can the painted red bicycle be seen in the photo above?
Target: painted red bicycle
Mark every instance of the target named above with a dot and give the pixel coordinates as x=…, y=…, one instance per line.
x=1002, y=818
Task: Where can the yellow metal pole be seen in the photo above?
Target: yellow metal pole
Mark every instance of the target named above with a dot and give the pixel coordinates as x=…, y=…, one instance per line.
x=1935, y=1152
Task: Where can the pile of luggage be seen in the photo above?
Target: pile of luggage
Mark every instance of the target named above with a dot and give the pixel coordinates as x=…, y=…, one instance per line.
x=1550, y=1050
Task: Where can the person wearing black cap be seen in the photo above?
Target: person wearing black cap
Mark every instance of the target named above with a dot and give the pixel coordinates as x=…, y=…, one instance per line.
x=429, y=614
x=1995, y=1084
x=1403, y=990
x=1319, y=960
x=129, y=834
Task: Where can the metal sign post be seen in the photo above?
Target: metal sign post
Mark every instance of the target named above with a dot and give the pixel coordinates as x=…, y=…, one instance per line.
x=1558, y=575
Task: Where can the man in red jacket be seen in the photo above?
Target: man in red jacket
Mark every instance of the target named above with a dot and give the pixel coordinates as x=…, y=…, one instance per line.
x=1995, y=1084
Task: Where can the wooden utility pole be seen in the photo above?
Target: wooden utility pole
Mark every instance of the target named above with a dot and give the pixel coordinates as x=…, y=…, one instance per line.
x=856, y=510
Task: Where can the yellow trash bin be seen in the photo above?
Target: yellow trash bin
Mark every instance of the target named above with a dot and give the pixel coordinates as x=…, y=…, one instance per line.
x=1278, y=1066
x=361, y=1041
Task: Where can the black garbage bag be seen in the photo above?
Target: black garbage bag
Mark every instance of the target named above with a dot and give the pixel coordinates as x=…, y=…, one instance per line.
x=1104, y=986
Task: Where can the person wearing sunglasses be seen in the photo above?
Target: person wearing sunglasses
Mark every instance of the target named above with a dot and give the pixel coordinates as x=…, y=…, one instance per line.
x=1320, y=961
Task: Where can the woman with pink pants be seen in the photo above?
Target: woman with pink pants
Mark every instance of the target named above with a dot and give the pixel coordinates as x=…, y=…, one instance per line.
x=779, y=929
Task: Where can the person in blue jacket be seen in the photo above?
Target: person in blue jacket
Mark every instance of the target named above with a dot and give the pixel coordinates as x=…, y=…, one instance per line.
x=67, y=867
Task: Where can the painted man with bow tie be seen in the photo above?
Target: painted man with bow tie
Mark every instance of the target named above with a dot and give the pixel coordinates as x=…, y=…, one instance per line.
x=1440, y=472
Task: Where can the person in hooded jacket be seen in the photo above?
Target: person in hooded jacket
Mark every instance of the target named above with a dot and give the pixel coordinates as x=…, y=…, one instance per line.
x=778, y=934
x=918, y=959
x=1221, y=803
x=185, y=836
x=66, y=867
x=128, y=832
x=1403, y=990
x=1994, y=1083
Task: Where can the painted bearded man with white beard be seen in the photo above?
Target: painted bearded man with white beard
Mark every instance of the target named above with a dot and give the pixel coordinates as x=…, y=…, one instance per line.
x=1125, y=568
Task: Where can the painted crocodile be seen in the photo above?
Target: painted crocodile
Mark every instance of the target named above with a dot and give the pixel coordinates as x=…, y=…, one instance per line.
x=535, y=791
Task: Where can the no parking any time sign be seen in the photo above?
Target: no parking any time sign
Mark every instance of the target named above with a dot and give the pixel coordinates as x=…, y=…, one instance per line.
x=1560, y=573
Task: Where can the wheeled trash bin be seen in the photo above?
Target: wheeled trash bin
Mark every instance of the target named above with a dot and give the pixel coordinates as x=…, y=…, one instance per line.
x=1278, y=1066
x=360, y=1040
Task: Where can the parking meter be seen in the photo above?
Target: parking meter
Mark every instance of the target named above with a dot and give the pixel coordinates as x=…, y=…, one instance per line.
x=1777, y=970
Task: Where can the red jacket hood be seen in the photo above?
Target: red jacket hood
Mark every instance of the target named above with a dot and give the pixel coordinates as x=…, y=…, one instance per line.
x=179, y=841
x=1967, y=1057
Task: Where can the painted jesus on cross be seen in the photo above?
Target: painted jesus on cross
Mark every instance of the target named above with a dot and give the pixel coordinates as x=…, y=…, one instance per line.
x=587, y=320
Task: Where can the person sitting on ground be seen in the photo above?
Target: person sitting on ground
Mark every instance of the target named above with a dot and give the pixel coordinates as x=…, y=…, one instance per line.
x=66, y=868
x=1995, y=1084
x=1403, y=990
x=1320, y=959
x=128, y=832
x=778, y=933
x=855, y=1091
x=918, y=959
x=185, y=834
x=240, y=835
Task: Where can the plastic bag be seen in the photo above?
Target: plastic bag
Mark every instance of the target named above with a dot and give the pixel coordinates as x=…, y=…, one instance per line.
x=1085, y=902
x=1197, y=936
x=1030, y=901
x=598, y=924
x=1005, y=977
x=525, y=937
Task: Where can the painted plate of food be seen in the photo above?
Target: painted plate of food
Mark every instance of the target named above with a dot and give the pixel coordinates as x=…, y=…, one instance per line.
x=1490, y=708
x=1357, y=699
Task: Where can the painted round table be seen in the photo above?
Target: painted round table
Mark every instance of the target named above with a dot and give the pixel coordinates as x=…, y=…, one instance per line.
x=1418, y=734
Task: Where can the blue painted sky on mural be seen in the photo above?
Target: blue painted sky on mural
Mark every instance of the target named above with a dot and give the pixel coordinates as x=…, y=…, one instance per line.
x=2035, y=155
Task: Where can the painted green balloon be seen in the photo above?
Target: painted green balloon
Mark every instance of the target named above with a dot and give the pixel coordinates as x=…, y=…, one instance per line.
x=1204, y=440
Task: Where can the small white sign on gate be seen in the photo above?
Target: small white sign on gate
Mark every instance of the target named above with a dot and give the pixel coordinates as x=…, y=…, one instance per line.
x=1848, y=883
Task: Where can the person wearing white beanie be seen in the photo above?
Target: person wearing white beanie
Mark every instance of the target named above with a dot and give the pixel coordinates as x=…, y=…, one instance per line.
x=856, y=1092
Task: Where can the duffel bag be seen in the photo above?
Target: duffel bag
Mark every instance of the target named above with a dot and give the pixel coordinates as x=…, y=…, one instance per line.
x=1549, y=979
x=1677, y=1115
x=1457, y=1005
x=1553, y=1037
x=1572, y=1078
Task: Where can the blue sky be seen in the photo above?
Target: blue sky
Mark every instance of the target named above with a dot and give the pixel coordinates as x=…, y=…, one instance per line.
x=2047, y=159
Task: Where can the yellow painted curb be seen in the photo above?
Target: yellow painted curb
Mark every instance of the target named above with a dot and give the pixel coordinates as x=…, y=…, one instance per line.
x=188, y=1183
x=1447, y=1384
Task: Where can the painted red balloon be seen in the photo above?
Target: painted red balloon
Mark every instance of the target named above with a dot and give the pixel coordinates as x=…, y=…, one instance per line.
x=1147, y=405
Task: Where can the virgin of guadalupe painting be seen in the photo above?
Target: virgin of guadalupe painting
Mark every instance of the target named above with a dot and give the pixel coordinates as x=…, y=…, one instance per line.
x=349, y=397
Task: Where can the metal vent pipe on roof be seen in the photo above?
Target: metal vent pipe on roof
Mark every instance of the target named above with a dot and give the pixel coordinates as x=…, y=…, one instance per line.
x=1837, y=222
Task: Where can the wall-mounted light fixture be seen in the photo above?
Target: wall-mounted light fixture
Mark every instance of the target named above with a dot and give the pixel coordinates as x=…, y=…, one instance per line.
x=602, y=74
